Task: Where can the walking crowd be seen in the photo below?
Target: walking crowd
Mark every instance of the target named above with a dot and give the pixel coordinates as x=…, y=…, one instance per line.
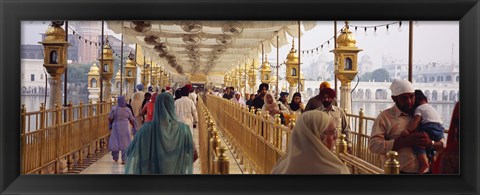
x=163, y=124
x=162, y=131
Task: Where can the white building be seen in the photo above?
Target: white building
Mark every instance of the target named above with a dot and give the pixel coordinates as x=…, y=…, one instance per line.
x=33, y=77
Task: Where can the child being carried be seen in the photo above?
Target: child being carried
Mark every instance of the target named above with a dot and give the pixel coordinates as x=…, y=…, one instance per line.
x=426, y=119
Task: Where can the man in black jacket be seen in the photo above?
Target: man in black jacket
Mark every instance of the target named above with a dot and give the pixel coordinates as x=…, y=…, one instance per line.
x=259, y=100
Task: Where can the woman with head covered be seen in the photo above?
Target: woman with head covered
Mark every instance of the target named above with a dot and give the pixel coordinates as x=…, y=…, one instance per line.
x=237, y=98
x=119, y=118
x=311, y=148
x=162, y=146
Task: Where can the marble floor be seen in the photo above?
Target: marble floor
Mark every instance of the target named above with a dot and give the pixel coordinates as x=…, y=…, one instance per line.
x=105, y=165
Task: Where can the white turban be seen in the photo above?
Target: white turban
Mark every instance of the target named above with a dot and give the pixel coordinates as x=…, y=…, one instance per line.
x=401, y=86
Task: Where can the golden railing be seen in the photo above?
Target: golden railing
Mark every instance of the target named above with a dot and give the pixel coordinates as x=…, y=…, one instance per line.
x=49, y=136
x=359, y=166
x=259, y=141
x=212, y=154
x=256, y=140
x=359, y=138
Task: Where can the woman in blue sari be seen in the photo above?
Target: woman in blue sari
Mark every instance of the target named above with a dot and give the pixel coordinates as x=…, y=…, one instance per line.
x=162, y=146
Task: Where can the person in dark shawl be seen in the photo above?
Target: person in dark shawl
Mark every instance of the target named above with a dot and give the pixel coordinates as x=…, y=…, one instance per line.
x=119, y=118
x=296, y=106
x=162, y=146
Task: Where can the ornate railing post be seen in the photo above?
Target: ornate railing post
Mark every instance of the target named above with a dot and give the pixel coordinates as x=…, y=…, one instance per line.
x=392, y=166
x=341, y=144
x=23, y=124
x=221, y=162
x=359, y=145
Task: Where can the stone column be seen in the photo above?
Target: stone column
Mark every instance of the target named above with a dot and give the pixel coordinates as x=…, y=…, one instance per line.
x=345, y=97
x=55, y=91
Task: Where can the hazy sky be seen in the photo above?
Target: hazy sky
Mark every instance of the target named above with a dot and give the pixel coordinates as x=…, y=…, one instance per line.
x=432, y=40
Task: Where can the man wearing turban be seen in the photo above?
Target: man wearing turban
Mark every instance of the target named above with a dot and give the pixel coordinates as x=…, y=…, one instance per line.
x=316, y=101
x=327, y=95
x=389, y=124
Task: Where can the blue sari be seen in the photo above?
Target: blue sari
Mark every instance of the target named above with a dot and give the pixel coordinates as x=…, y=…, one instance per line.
x=162, y=146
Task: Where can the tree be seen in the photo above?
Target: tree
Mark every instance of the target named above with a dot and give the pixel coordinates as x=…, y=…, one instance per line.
x=378, y=75
x=381, y=75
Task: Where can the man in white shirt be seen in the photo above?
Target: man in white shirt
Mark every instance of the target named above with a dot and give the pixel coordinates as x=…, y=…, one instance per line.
x=389, y=125
x=186, y=110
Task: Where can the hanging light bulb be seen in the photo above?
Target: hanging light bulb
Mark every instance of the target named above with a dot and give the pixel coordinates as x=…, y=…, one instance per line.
x=388, y=31
x=375, y=31
x=400, y=26
x=366, y=34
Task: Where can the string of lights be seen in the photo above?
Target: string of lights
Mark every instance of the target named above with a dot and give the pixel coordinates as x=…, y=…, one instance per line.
x=80, y=37
x=356, y=27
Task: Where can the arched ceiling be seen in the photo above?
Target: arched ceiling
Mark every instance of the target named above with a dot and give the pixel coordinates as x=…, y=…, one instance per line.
x=205, y=47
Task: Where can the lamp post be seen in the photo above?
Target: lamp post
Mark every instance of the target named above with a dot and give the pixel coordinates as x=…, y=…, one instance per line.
x=118, y=84
x=293, y=71
x=252, y=78
x=55, y=58
x=106, y=70
x=145, y=75
x=265, y=71
x=93, y=78
x=131, y=70
x=346, y=65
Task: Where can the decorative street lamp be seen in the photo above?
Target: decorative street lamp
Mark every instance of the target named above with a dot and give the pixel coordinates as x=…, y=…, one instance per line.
x=106, y=70
x=93, y=78
x=55, y=58
x=118, y=80
x=131, y=71
x=346, y=64
x=293, y=71
x=154, y=78
x=265, y=71
x=145, y=73
x=252, y=78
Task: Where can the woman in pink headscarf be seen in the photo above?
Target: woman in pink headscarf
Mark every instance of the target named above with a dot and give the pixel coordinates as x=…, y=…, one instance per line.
x=275, y=107
x=237, y=98
x=148, y=108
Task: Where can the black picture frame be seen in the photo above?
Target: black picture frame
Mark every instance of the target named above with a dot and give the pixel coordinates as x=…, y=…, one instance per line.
x=13, y=12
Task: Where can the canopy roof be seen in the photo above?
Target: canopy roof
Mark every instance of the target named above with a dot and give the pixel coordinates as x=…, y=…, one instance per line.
x=205, y=47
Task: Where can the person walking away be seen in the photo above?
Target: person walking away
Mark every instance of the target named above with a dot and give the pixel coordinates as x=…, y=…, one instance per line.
x=137, y=101
x=162, y=146
x=186, y=110
x=119, y=119
x=147, y=110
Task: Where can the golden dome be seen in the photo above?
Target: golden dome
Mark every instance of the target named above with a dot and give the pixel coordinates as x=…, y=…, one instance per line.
x=274, y=79
x=130, y=63
x=94, y=71
x=292, y=57
x=118, y=76
x=346, y=38
x=255, y=63
x=266, y=66
x=107, y=50
x=250, y=71
x=55, y=33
